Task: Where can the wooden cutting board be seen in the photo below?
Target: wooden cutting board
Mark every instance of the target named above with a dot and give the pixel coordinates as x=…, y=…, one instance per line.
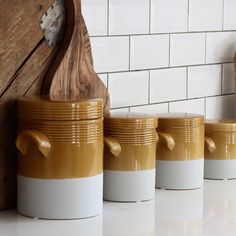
x=24, y=59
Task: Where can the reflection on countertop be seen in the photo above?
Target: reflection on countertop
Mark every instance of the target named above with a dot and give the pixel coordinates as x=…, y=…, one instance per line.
x=210, y=211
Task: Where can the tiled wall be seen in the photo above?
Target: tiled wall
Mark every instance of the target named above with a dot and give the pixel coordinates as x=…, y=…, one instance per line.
x=165, y=55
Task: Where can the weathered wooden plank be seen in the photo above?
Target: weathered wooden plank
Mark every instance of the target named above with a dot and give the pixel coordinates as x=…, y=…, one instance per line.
x=19, y=34
x=28, y=80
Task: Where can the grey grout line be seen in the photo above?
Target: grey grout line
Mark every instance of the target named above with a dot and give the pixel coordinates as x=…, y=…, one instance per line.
x=162, y=68
x=223, y=14
x=174, y=101
x=187, y=81
x=108, y=79
x=149, y=87
x=188, y=17
x=150, y=15
x=169, y=49
x=108, y=17
x=129, y=53
x=222, y=78
x=205, y=59
x=205, y=107
x=164, y=33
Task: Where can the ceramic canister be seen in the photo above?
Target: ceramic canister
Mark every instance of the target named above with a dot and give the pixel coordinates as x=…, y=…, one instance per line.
x=220, y=149
x=60, y=163
x=180, y=152
x=129, y=157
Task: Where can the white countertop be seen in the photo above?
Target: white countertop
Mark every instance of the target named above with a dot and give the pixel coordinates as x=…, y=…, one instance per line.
x=210, y=211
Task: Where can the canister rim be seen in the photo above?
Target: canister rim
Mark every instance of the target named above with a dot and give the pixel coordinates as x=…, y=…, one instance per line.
x=178, y=120
x=221, y=125
x=42, y=108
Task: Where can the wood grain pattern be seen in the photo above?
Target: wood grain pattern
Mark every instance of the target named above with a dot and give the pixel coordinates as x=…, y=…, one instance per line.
x=19, y=35
x=24, y=59
x=28, y=81
x=72, y=75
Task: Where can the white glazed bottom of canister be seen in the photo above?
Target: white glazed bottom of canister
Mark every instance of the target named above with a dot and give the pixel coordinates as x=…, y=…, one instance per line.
x=220, y=169
x=129, y=186
x=60, y=199
x=179, y=175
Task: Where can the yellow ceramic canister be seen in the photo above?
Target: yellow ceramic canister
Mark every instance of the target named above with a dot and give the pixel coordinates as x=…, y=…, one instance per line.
x=180, y=153
x=60, y=163
x=220, y=149
x=129, y=157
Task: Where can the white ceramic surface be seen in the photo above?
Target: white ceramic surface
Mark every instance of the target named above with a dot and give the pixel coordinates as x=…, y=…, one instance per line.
x=160, y=81
x=190, y=106
x=229, y=15
x=179, y=175
x=149, y=51
x=169, y=16
x=120, y=21
x=187, y=49
x=220, y=107
x=110, y=53
x=95, y=14
x=60, y=199
x=151, y=109
x=120, y=86
x=205, y=15
x=210, y=211
x=220, y=169
x=220, y=47
x=129, y=186
x=209, y=76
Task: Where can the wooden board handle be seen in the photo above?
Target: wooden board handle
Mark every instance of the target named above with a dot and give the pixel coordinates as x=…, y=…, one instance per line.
x=72, y=76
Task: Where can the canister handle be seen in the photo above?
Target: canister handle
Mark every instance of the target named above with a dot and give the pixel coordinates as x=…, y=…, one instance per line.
x=113, y=145
x=24, y=138
x=167, y=139
x=210, y=144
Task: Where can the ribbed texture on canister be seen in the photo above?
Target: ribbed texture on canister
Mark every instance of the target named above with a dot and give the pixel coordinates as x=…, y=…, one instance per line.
x=186, y=134
x=66, y=131
x=184, y=127
x=131, y=128
x=220, y=126
x=44, y=109
x=178, y=120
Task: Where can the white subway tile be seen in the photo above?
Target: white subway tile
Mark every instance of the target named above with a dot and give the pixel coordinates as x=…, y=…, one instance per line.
x=125, y=109
x=229, y=15
x=128, y=17
x=220, y=107
x=220, y=47
x=204, y=81
x=167, y=84
x=110, y=53
x=95, y=14
x=228, y=78
x=169, y=16
x=149, y=51
x=151, y=109
x=187, y=49
x=189, y=106
x=205, y=15
x=127, y=89
x=103, y=77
